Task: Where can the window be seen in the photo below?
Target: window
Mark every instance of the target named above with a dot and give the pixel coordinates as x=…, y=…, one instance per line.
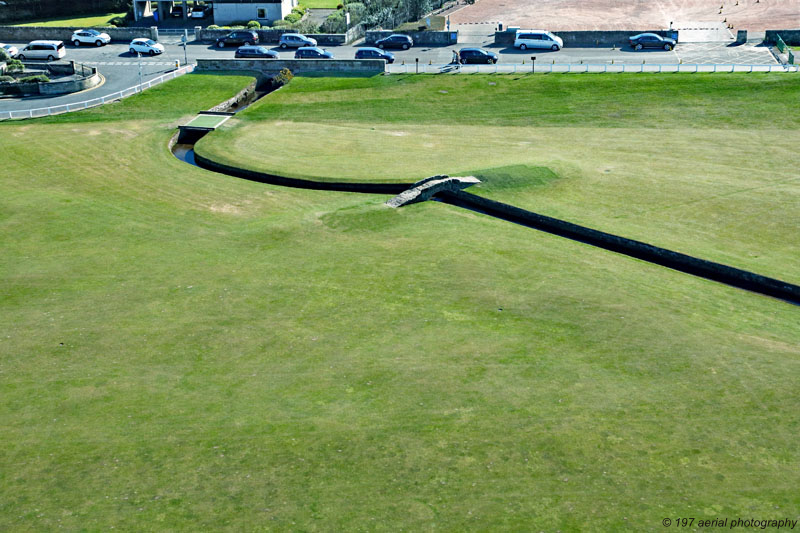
x=262, y=13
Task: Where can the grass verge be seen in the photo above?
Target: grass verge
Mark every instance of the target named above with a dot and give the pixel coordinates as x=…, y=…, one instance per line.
x=75, y=22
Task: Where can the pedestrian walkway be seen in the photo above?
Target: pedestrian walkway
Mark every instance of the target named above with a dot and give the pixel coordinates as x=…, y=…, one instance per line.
x=724, y=54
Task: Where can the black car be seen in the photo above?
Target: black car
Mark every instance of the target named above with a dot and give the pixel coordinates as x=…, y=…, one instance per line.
x=651, y=40
x=476, y=55
x=257, y=52
x=239, y=37
x=312, y=52
x=177, y=10
x=395, y=41
x=374, y=53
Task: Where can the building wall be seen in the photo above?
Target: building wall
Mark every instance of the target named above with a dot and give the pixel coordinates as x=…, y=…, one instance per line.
x=228, y=13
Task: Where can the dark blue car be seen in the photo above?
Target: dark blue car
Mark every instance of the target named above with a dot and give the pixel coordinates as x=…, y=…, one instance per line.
x=257, y=52
x=374, y=53
x=396, y=40
x=476, y=55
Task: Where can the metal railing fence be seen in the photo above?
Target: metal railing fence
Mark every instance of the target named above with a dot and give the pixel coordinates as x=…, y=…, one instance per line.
x=548, y=68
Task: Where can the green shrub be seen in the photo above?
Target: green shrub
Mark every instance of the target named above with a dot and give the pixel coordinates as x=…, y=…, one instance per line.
x=281, y=24
x=14, y=65
x=306, y=26
x=213, y=27
x=335, y=23
x=293, y=17
x=253, y=25
x=300, y=9
x=37, y=78
x=282, y=78
x=119, y=22
x=7, y=79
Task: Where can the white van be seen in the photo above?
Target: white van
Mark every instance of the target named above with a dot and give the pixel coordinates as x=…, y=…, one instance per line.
x=537, y=39
x=49, y=50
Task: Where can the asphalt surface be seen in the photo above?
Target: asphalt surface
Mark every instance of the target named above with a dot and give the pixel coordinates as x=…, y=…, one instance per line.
x=121, y=70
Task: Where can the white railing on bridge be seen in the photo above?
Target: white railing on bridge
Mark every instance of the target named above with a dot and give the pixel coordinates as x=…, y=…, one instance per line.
x=78, y=106
x=546, y=68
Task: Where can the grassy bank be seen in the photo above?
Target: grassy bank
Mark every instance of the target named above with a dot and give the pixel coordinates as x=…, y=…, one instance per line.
x=700, y=164
x=186, y=351
x=74, y=22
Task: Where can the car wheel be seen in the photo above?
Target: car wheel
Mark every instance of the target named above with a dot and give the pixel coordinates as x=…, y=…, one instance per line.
x=667, y=47
x=220, y=44
x=98, y=43
x=51, y=58
x=152, y=53
x=380, y=46
x=248, y=43
x=283, y=45
x=76, y=43
x=132, y=51
x=555, y=48
x=21, y=57
x=638, y=46
x=405, y=46
x=491, y=61
x=523, y=46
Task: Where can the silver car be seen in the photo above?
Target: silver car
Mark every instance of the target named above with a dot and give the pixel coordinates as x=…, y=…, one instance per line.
x=295, y=40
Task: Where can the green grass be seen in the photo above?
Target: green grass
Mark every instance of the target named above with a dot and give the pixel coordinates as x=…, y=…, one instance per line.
x=321, y=4
x=705, y=165
x=186, y=351
x=74, y=22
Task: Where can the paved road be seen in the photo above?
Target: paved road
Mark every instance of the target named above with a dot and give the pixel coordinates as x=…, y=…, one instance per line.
x=121, y=70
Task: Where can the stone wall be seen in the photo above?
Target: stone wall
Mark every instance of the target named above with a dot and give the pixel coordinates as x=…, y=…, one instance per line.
x=424, y=38
x=583, y=39
x=790, y=37
x=272, y=36
x=332, y=67
x=36, y=33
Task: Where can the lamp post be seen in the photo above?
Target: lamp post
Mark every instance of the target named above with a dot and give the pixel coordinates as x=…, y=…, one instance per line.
x=139, y=56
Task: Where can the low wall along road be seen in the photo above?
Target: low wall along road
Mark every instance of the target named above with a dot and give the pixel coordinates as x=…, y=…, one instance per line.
x=333, y=67
x=42, y=33
x=583, y=39
x=425, y=38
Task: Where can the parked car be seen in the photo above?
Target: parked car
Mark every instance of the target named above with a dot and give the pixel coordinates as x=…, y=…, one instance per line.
x=142, y=45
x=258, y=52
x=239, y=37
x=476, y=55
x=177, y=10
x=374, y=53
x=200, y=12
x=537, y=39
x=651, y=40
x=94, y=37
x=312, y=52
x=295, y=40
x=11, y=50
x=396, y=40
x=49, y=50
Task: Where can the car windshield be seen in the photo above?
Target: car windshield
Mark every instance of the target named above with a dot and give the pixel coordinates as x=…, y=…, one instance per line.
x=148, y=42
